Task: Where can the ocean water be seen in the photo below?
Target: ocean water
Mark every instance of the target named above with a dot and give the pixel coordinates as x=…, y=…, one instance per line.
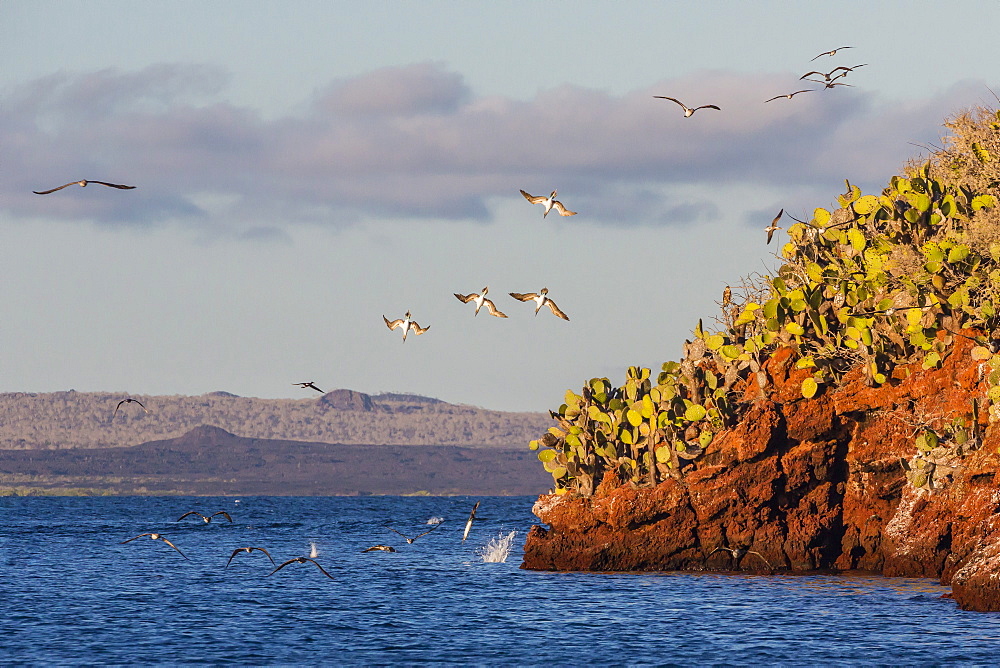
x=71, y=593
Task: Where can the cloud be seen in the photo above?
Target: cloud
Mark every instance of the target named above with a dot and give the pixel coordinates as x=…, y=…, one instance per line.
x=414, y=142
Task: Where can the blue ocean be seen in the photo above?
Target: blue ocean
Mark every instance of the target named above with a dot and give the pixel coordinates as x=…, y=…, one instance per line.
x=72, y=593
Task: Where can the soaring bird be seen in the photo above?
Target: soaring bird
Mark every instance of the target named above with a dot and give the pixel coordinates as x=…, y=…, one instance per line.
x=737, y=554
x=468, y=524
x=549, y=202
x=687, y=110
x=831, y=52
x=128, y=401
x=156, y=536
x=773, y=227
x=479, y=300
x=306, y=386
x=83, y=184
x=379, y=548
x=206, y=518
x=406, y=324
x=300, y=560
x=789, y=96
x=828, y=76
x=248, y=550
x=409, y=541
x=541, y=299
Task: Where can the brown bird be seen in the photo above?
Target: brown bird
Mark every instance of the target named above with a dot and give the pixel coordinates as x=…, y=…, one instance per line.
x=789, y=95
x=409, y=541
x=156, y=536
x=541, y=299
x=309, y=385
x=480, y=299
x=300, y=560
x=773, y=227
x=128, y=401
x=831, y=52
x=727, y=296
x=83, y=184
x=248, y=550
x=406, y=324
x=205, y=518
x=549, y=202
x=687, y=110
x=379, y=548
x=737, y=554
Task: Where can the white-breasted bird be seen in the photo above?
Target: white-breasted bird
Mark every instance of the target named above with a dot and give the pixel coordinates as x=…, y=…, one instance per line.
x=479, y=300
x=688, y=111
x=407, y=324
x=550, y=203
x=773, y=227
x=83, y=184
x=541, y=298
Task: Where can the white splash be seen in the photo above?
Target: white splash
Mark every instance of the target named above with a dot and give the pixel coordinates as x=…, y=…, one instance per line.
x=313, y=552
x=498, y=549
x=435, y=520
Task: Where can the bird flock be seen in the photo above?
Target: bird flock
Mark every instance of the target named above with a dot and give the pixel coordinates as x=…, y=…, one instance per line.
x=435, y=523
x=408, y=325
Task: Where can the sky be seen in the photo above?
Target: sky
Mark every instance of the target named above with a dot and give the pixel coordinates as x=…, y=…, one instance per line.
x=303, y=169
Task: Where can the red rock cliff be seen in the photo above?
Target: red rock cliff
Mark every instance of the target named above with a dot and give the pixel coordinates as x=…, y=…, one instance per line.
x=833, y=482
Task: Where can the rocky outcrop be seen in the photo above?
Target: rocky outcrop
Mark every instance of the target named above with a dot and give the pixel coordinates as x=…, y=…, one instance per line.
x=833, y=482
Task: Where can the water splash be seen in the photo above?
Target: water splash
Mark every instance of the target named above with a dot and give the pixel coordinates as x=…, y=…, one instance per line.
x=313, y=552
x=498, y=549
x=435, y=520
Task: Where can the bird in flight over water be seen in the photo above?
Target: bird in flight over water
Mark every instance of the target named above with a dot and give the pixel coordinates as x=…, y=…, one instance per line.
x=550, y=203
x=156, y=536
x=128, y=401
x=541, y=299
x=831, y=52
x=306, y=386
x=206, y=518
x=248, y=550
x=773, y=227
x=300, y=560
x=468, y=524
x=83, y=184
x=688, y=111
x=737, y=553
x=409, y=541
x=379, y=548
x=480, y=300
x=406, y=324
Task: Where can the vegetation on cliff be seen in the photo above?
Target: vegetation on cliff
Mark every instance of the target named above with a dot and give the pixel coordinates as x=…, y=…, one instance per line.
x=880, y=283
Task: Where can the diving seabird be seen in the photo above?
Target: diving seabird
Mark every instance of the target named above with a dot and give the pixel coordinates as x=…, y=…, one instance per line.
x=409, y=541
x=468, y=525
x=773, y=227
x=128, y=401
x=687, y=110
x=831, y=52
x=306, y=386
x=379, y=548
x=248, y=550
x=479, y=300
x=406, y=324
x=205, y=518
x=737, y=553
x=300, y=560
x=790, y=95
x=156, y=536
x=549, y=202
x=541, y=299
x=83, y=184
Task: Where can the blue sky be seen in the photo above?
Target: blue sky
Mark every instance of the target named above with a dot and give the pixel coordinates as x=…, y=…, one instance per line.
x=304, y=168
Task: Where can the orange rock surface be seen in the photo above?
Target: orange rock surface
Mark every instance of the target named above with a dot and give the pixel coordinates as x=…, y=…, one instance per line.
x=809, y=484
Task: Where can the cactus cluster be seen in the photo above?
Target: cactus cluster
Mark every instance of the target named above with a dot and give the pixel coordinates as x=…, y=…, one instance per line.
x=882, y=282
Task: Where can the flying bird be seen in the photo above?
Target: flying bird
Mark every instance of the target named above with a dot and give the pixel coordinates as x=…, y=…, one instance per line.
x=83, y=184
x=773, y=227
x=828, y=76
x=205, y=518
x=550, y=202
x=128, y=401
x=831, y=52
x=687, y=110
x=541, y=299
x=406, y=324
x=379, y=548
x=737, y=554
x=156, y=536
x=789, y=96
x=300, y=560
x=306, y=386
x=248, y=550
x=409, y=541
x=468, y=524
x=834, y=83
x=480, y=300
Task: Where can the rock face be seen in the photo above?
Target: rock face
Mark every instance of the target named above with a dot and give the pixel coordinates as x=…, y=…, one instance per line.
x=834, y=482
